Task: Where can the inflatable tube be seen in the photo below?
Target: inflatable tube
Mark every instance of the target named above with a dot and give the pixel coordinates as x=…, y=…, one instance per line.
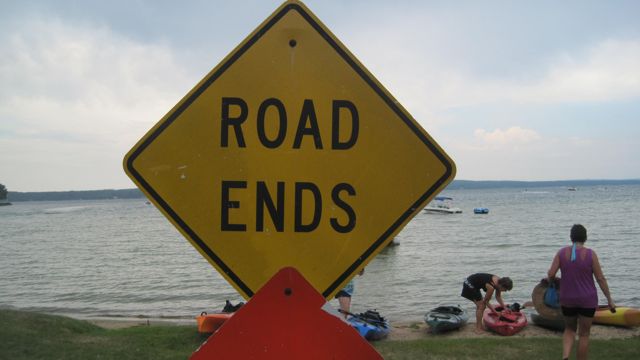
x=552, y=324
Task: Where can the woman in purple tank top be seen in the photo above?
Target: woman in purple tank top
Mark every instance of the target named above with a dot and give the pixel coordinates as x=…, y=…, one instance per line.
x=578, y=295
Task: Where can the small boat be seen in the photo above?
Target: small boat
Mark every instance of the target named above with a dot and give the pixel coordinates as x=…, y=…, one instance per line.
x=370, y=325
x=506, y=322
x=572, y=188
x=481, y=210
x=446, y=318
x=624, y=316
x=209, y=323
x=442, y=205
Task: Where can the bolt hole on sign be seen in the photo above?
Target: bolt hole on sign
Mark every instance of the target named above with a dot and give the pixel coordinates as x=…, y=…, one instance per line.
x=289, y=153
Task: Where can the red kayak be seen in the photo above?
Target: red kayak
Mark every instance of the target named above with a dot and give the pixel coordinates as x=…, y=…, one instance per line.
x=208, y=323
x=505, y=322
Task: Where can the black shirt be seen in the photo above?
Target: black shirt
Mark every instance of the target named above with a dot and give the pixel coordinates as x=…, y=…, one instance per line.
x=479, y=280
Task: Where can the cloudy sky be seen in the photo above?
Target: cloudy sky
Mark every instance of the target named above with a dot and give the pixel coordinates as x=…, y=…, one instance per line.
x=512, y=90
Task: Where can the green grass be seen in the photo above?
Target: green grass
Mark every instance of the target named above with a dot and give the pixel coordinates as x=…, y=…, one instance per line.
x=498, y=348
x=25, y=335
x=477, y=348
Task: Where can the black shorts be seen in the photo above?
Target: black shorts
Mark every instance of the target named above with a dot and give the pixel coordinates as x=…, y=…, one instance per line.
x=575, y=311
x=471, y=293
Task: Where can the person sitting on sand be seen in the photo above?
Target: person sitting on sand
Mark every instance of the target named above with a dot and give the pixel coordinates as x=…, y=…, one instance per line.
x=489, y=283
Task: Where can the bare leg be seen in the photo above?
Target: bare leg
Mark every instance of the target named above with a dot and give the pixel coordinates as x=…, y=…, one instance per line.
x=584, y=329
x=569, y=336
x=479, y=312
x=345, y=304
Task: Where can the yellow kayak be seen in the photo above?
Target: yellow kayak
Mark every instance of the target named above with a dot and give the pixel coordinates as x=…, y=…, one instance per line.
x=624, y=316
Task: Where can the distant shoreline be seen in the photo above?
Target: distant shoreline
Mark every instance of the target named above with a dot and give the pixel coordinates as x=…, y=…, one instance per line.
x=497, y=184
x=110, y=194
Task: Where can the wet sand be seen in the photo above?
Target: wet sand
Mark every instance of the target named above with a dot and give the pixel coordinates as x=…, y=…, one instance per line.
x=112, y=324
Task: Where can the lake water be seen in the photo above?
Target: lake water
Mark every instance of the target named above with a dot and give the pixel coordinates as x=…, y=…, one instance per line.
x=122, y=258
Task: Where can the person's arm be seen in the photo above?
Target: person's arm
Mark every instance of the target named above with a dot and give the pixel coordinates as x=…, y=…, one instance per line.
x=602, y=281
x=499, y=299
x=487, y=297
x=553, y=270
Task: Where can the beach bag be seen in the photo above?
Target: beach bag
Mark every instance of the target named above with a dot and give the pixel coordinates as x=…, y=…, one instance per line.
x=552, y=296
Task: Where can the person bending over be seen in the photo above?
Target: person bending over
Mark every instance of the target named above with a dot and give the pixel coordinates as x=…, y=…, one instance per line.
x=489, y=283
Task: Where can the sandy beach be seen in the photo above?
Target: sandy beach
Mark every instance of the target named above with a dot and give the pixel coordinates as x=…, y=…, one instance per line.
x=112, y=324
x=403, y=331
x=412, y=331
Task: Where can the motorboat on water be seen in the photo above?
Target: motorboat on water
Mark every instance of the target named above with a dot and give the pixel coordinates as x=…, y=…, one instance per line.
x=442, y=205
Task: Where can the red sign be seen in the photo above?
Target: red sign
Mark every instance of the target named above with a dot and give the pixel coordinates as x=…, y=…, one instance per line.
x=285, y=320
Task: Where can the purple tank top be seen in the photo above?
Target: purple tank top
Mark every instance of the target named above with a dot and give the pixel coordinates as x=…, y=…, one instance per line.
x=577, y=287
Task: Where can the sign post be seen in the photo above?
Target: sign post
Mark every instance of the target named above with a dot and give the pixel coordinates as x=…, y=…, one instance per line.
x=289, y=153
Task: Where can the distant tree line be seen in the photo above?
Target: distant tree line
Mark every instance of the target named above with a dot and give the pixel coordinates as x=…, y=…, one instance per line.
x=75, y=195
x=455, y=185
x=3, y=192
x=498, y=184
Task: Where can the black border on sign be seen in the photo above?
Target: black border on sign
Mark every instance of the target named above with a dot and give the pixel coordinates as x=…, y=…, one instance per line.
x=213, y=77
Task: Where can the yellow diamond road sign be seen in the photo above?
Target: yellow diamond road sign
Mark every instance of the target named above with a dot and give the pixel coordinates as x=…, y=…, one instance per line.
x=289, y=153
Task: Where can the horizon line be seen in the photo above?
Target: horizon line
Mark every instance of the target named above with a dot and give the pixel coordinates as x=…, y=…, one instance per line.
x=452, y=182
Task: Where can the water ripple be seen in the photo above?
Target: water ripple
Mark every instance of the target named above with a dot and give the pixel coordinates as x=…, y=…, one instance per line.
x=123, y=258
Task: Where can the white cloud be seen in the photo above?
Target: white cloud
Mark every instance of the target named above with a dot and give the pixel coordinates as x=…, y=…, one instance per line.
x=86, y=87
x=73, y=95
x=608, y=71
x=512, y=137
x=431, y=75
x=523, y=154
x=90, y=77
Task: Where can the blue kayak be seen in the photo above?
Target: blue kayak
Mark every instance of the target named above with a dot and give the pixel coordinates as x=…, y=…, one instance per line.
x=370, y=325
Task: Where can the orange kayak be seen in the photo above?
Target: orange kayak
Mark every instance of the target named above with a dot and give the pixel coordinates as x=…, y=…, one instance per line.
x=208, y=323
